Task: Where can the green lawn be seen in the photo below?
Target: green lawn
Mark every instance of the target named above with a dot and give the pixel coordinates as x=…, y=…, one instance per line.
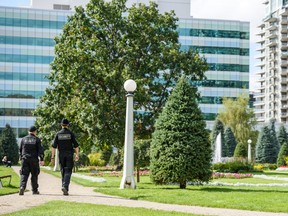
x=270, y=199
x=70, y=209
x=14, y=187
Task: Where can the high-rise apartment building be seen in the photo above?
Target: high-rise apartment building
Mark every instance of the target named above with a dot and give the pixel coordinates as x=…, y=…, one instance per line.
x=272, y=96
x=27, y=49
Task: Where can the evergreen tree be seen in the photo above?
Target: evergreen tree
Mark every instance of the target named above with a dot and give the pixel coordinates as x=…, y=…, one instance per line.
x=273, y=134
x=218, y=128
x=180, y=148
x=230, y=141
x=282, y=135
x=241, y=151
x=282, y=154
x=9, y=144
x=266, y=151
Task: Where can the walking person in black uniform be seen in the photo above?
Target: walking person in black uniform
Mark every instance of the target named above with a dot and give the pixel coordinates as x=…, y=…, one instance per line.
x=30, y=151
x=66, y=142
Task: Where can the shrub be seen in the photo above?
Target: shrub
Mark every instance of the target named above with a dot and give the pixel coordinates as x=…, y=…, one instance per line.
x=95, y=159
x=47, y=157
x=233, y=167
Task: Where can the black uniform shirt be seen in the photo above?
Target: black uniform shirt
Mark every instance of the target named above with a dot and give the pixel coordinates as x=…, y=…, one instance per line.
x=31, y=147
x=65, y=141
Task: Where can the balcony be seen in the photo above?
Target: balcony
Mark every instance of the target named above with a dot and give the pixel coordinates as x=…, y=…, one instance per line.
x=259, y=103
x=259, y=111
x=284, y=37
x=284, y=72
x=272, y=43
x=284, y=80
x=259, y=95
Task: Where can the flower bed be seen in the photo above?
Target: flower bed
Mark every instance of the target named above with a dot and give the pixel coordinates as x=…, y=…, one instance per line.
x=282, y=168
x=218, y=175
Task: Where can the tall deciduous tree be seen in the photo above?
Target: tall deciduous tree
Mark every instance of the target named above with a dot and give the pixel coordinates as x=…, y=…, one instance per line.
x=101, y=47
x=180, y=148
x=230, y=141
x=282, y=135
x=237, y=115
x=266, y=151
x=9, y=144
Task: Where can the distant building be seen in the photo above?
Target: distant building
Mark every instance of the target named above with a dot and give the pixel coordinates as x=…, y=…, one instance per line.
x=272, y=97
x=27, y=49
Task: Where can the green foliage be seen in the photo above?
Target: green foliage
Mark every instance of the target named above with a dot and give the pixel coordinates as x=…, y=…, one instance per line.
x=47, y=157
x=83, y=160
x=283, y=153
x=229, y=142
x=8, y=145
x=217, y=128
x=233, y=167
x=273, y=134
x=241, y=151
x=106, y=154
x=282, y=135
x=180, y=148
x=97, y=51
x=237, y=115
x=266, y=151
x=142, y=153
x=95, y=159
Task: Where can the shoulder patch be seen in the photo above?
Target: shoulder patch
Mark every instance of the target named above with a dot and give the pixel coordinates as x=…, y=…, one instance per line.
x=64, y=136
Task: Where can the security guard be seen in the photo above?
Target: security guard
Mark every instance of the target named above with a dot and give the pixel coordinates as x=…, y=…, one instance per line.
x=30, y=150
x=66, y=142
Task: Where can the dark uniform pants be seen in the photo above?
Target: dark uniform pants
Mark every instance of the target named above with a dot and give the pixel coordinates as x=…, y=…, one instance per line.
x=30, y=165
x=66, y=164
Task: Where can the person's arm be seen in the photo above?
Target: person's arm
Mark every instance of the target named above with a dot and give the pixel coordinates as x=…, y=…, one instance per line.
x=77, y=153
x=54, y=146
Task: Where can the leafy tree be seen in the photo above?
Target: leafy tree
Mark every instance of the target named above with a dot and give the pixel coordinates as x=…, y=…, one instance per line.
x=101, y=47
x=218, y=128
x=282, y=135
x=8, y=143
x=237, y=115
x=266, y=151
x=180, y=148
x=283, y=153
x=230, y=142
x=141, y=155
x=241, y=150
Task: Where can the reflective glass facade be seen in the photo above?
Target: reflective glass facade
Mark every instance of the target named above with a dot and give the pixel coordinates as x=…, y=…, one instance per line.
x=225, y=44
x=27, y=49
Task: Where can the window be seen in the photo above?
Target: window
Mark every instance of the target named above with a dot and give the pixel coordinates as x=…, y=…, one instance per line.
x=61, y=7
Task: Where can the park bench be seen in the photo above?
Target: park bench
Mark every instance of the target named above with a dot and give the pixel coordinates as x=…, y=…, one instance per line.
x=2, y=177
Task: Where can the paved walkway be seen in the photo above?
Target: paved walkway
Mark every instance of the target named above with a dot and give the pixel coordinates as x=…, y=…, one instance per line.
x=50, y=189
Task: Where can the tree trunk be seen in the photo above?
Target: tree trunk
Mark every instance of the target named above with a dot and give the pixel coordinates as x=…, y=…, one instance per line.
x=183, y=185
x=138, y=174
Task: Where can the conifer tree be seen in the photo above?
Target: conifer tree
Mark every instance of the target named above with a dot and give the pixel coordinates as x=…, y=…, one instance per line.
x=282, y=154
x=9, y=144
x=266, y=151
x=230, y=141
x=282, y=135
x=273, y=134
x=180, y=148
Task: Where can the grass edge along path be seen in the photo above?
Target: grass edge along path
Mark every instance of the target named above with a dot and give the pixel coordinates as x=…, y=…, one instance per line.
x=266, y=199
x=64, y=208
x=15, y=181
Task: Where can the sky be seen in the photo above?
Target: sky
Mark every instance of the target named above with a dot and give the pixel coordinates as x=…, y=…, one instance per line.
x=243, y=10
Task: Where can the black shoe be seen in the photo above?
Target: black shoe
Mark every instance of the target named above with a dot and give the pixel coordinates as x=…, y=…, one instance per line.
x=36, y=192
x=21, y=192
x=65, y=191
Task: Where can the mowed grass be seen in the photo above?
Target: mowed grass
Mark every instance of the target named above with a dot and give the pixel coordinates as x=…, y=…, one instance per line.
x=15, y=181
x=255, y=198
x=70, y=209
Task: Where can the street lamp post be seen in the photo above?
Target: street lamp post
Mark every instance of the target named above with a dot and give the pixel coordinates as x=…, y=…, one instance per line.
x=249, y=150
x=128, y=169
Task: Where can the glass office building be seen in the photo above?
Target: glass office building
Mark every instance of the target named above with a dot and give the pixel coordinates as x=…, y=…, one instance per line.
x=27, y=49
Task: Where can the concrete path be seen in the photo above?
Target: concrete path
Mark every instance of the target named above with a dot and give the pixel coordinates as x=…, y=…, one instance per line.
x=50, y=189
